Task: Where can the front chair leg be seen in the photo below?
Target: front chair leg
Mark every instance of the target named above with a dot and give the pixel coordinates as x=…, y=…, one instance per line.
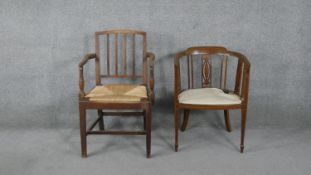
x=176, y=116
x=83, y=131
x=227, y=120
x=243, y=125
x=101, y=120
x=147, y=120
x=186, y=119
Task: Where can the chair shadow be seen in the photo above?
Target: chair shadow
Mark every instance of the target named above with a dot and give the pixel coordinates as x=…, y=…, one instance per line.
x=214, y=122
x=126, y=142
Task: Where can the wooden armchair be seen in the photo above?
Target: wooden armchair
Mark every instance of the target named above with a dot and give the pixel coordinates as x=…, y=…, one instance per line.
x=201, y=94
x=124, y=59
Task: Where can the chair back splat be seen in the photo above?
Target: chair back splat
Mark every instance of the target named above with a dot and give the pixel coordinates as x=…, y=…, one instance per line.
x=121, y=54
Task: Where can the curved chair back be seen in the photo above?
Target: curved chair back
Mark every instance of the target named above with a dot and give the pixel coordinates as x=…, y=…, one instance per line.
x=212, y=66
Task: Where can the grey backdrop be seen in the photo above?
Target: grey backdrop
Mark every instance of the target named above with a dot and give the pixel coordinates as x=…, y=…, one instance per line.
x=42, y=43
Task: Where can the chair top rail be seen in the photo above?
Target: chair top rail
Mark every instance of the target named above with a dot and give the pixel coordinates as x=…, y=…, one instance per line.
x=211, y=50
x=120, y=31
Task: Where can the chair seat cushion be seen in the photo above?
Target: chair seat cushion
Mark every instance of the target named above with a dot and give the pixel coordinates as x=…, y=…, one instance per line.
x=208, y=96
x=118, y=93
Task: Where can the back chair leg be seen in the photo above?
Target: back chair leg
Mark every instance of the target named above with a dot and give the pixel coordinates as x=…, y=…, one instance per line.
x=83, y=131
x=176, y=110
x=227, y=120
x=186, y=119
x=101, y=120
x=243, y=125
x=148, y=119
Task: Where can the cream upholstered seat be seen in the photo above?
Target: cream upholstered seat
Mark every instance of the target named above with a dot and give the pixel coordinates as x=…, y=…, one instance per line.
x=208, y=96
x=117, y=93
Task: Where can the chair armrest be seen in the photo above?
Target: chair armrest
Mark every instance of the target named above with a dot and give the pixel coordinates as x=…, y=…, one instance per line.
x=81, y=77
x=86, y=58
x=150, y=74
x=245, y=76
x=240, y=56
x=177, y=87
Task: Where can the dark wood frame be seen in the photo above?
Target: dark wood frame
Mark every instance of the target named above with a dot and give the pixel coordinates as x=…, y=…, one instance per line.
x=143, y=106
x=241, y=88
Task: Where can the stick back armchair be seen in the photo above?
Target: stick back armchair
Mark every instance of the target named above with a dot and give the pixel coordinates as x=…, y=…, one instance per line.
x=121, y=56
x=200, y=90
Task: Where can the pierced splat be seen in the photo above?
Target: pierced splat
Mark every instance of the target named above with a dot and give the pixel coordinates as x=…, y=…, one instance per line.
x=206, y=71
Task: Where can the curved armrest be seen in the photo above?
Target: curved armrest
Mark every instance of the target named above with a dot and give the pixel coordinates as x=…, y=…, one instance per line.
x=81, y=78
x=86, y=58
x=240, y=56
x=245, y=76
x=177, y=88
x=150, y=74
x=178, y=56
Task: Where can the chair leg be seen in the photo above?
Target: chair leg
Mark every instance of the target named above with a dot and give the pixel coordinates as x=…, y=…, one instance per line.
x=83, y=131
x=176, y=116
x=243, y=125
x=186, y=119
x=101, y=120
x=227, y=120
x=147, y=120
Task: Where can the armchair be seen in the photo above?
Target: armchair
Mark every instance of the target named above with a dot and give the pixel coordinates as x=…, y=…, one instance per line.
x=207, y=96
x=121, y=63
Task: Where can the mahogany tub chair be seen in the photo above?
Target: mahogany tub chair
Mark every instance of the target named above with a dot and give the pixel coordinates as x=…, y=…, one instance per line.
x=120, y=56
x=210, y=92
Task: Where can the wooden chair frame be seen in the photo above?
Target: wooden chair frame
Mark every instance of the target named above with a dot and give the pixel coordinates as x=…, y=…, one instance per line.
x=144, y=105
x=241, y=88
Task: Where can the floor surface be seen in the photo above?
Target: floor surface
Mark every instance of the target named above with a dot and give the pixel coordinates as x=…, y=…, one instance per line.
x=203, y=150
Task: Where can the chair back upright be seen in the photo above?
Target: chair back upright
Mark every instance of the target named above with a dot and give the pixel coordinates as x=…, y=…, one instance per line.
x=120, y=56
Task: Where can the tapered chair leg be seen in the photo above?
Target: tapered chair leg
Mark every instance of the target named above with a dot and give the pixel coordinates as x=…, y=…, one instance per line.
x=186, y=119
x=243, y=126
x=227, y=120
x=83, y=131
x=176, y=116
x=101, y=120
x=148, y=119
